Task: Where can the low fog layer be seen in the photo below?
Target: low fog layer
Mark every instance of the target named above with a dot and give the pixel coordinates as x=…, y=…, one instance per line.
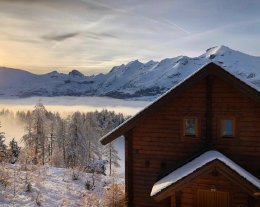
x=67, y=105
x=12, y=129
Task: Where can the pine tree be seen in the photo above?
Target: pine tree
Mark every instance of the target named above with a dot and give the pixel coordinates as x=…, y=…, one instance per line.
x=15, y=150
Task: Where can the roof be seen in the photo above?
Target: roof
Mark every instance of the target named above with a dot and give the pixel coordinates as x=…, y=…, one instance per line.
x=198, y=163
x=206, y=70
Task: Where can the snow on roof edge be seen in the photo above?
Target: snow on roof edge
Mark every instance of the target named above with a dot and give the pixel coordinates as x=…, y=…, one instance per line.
x=157, y=99
x=254, y=86
x=197, y=163
x=175, y=86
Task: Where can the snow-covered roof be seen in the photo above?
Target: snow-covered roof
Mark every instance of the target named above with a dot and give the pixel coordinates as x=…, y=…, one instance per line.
x=149, y=105
x=197, y=163
x=115, y=134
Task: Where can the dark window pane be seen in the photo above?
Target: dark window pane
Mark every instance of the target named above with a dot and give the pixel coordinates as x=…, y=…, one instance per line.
x=190, y=126
x=227, y=127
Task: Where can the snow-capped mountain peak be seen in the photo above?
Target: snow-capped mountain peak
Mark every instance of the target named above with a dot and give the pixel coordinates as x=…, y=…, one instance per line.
x=218, y=50
x=134, y=79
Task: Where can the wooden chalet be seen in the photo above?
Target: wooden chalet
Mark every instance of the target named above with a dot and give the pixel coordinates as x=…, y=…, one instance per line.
x=197, y=145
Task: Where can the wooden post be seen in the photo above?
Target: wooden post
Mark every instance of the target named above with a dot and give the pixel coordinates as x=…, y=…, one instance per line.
x=178, y=195
x=173, y=201
x=129, y=169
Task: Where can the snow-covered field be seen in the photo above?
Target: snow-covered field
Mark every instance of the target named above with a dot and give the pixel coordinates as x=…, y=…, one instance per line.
x=53, y=187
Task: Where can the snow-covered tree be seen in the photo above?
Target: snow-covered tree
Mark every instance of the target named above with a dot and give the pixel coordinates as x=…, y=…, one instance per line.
x=77, y=145
x=2, y=140
x=109, y=151
x=93, y=132
x=36, y=136
x=61, y=141
x=28, y=137
x=69, y=141
x=111, y=155
x=15, y=150
x=51, y=137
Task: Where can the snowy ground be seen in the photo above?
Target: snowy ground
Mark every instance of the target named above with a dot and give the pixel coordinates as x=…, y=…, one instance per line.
x=50, y=187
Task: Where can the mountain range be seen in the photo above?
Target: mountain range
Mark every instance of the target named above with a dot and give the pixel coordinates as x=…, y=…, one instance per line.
x=132, y=80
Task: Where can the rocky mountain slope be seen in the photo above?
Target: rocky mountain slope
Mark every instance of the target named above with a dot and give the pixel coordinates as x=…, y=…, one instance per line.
x=132, y=80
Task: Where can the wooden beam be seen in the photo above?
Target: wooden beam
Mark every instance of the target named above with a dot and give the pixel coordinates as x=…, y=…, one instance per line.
x=209, y=115
x=234, y=177
x=129, y=168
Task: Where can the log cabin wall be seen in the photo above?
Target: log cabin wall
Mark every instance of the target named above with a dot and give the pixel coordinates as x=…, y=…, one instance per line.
x=158, y=144
x=244, y=148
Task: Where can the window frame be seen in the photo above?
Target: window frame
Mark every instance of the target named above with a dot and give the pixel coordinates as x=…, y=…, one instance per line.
x=197, y=125
x=233, y=127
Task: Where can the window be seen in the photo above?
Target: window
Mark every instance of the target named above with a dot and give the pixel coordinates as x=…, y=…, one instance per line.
x=190, y=127
x=228, y=128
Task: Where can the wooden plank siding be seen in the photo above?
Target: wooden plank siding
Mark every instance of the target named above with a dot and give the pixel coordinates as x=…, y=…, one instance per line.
x=158, y=144
x=214, y=183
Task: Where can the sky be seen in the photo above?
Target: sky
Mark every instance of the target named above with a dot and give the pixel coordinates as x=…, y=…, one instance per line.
x=92, y=36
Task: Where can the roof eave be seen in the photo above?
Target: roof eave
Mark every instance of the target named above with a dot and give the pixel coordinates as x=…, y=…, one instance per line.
x=213, y=165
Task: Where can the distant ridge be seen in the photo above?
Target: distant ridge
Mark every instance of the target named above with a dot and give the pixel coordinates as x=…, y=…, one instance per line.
x=133, y=80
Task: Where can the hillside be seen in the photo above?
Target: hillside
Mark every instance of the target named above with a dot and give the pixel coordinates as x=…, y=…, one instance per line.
x=51, y=186
x=132, y=80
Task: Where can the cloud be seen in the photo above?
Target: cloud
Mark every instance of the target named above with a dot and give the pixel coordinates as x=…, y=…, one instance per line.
x=14, y=1
x=62, y=5
x=87, y=34
x=60, y=37
x=99, y=35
